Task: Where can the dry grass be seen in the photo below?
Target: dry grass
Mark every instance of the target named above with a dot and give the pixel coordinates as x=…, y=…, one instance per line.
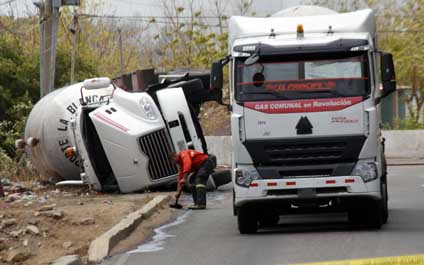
x=19, y=169
x=215, y=119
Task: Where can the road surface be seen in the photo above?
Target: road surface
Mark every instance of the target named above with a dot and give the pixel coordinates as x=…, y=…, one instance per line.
x=211, y=237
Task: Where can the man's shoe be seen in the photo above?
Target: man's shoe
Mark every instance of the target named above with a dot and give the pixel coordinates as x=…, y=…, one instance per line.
x=197, y=207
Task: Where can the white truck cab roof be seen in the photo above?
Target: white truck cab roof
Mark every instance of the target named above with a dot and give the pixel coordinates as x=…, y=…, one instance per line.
x=286, y=21
x=290, y=40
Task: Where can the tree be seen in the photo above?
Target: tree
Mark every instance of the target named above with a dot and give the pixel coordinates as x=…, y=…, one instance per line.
x=404, y=37
x=187, y=40
x=344, y=5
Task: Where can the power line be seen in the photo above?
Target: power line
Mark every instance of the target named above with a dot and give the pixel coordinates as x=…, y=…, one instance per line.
x=138, y=3
x=400, y=31
x=149, y=17
x=7, y=2
x=165, y=20
x=155, y=19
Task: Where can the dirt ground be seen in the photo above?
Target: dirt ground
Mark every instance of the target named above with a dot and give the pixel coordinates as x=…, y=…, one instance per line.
x=60, y=223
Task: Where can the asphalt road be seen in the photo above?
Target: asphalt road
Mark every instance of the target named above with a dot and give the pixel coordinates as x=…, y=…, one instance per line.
x=211, y=237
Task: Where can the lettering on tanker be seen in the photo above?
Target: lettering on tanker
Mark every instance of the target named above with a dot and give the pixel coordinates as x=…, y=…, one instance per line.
x=64, y=144
x=64, y=127
x=72, y=109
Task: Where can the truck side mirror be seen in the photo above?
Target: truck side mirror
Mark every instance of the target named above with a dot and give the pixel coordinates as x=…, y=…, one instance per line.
x=217, y=76
x=388, y=77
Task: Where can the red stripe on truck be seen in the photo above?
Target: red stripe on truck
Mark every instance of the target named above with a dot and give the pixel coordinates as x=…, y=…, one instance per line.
x=111, y=122
x=303, y=105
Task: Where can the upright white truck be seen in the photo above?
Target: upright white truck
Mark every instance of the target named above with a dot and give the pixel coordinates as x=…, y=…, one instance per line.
x=305, y=99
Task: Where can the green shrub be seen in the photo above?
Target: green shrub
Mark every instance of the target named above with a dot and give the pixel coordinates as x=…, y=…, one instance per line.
x=404, y=124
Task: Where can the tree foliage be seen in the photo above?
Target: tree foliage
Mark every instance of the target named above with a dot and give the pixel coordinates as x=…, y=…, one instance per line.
x=188, y=40
x=344, y=5
x=404, y=37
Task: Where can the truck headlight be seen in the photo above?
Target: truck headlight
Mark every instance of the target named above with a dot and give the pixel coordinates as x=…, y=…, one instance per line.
x=366, y=170
x=245, y=177
x=148, y=108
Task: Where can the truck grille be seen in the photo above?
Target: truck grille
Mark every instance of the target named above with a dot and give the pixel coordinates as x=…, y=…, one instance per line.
x=299, y=152
x=305, y=151
x=312, y=173
x=157, y=146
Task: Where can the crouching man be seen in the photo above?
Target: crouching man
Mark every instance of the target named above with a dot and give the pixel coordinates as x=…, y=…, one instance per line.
x=201, y=165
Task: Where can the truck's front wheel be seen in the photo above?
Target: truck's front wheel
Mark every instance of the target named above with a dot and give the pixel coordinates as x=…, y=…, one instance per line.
x=372, y=214
x=385, y=200
x=247, y=220
x=375, y=214
x=269, y=219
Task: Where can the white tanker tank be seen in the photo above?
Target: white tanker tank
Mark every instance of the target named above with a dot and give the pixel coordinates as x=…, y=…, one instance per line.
x=48, y=132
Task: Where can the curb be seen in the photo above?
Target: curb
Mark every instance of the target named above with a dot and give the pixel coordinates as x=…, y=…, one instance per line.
x=101, y=246
x=405, y=162
x=411, y=260
x=68, y=260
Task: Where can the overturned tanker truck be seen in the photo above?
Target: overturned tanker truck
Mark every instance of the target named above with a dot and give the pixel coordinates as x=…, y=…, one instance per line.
x=98, y=134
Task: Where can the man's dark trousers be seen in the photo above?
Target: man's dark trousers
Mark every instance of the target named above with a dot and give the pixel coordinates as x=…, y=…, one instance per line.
x=200, y=179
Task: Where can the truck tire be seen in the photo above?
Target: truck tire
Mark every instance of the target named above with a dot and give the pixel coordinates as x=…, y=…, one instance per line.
x=356, y=216
x=370, y=215
x=269, y=219
x=247, y=220
x=375, y=214
x=385, y=201
x=234, y=204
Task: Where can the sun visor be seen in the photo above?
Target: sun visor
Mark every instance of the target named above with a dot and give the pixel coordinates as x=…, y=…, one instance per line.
x=333, y=46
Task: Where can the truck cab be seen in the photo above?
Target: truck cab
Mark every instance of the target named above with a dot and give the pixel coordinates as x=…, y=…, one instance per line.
x=305, y=99
x=123, y=141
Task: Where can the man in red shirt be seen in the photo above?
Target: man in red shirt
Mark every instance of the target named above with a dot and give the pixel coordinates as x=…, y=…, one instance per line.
x=202, y=165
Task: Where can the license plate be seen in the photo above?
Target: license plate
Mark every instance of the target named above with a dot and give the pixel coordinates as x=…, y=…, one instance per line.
x=306, y=193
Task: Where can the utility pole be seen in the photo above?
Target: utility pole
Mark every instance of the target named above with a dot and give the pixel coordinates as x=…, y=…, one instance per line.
x=121, y=52
x=53, y=41
x=45, y=8
x=41, y=7
x=74, y=30
x=49, y=20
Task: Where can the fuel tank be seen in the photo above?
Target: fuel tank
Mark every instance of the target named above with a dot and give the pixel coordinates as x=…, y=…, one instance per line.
x=48, y=130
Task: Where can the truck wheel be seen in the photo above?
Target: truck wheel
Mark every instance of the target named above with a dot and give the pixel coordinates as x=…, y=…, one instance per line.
x=356, y=216
x=385, y=201
x=247, y=220
x=375, y=214
x=269, y=220
x=371, y=215
x=234, y=204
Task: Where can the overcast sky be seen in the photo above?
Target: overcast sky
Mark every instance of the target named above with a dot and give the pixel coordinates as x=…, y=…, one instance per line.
x=154, y=7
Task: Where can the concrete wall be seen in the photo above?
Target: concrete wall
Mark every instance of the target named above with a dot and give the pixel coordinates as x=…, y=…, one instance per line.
x=221, y=147
x=404, y=144
x=399, y=144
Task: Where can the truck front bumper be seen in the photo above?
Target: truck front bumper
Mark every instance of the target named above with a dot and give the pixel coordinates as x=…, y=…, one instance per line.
x=307, y=189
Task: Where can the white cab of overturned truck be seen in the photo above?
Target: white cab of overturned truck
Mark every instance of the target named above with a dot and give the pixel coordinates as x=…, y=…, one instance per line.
x=124, y=144
x=305, y=99
x=98, y=134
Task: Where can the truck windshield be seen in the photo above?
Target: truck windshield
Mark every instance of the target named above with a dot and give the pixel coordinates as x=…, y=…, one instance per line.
x=306, y=77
